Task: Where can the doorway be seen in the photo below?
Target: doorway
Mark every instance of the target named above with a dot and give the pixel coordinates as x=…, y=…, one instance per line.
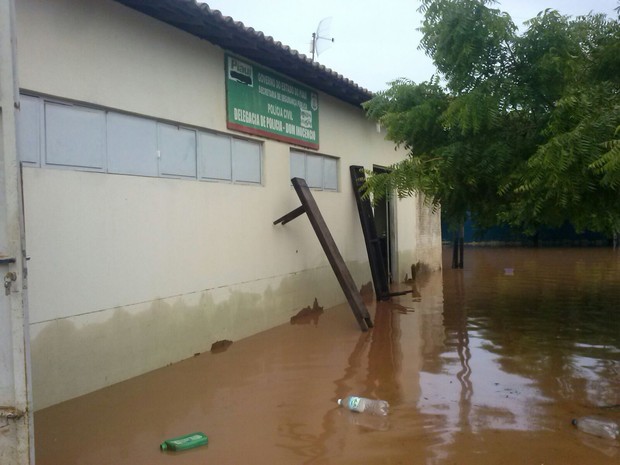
x=384, y=222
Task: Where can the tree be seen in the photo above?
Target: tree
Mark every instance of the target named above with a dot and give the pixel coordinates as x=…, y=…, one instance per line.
x=517, y=129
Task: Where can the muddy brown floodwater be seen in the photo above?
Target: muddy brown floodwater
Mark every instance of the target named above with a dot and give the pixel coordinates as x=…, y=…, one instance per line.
x=486, y=365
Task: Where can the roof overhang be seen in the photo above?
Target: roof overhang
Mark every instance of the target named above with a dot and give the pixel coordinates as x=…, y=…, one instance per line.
x=205, y=23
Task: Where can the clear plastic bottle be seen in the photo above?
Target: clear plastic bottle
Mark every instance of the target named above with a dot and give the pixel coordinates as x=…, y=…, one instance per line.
x=597, y=426
x=362, y=404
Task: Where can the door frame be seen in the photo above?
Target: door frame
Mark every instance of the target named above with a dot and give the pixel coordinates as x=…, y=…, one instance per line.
x=392, y=244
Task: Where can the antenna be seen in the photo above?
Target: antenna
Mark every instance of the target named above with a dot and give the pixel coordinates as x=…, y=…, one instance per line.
x=320, y=39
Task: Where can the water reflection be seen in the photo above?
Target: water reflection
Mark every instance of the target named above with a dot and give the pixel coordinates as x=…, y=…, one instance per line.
x=529, y=349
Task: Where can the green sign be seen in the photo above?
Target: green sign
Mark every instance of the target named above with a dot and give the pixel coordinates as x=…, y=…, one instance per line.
x=261, y=102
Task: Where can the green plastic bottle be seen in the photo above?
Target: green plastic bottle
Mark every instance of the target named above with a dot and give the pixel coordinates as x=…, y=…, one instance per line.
x=187, y=441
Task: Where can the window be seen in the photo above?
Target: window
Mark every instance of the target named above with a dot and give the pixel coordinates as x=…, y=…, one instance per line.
x=246, y=161
x=29, y=129
x=314, y=171
x=132, y=145
x=229, y=159
x=177, y=151
x=74, y=136
x=319, y=171
x=58, y=134
x=298, y=165
x=214, y=155
x=330, y=173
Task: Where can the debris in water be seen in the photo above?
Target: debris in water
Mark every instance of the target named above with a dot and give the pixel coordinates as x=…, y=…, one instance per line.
x=187, y=441
x=362, y=404
x=597, y=426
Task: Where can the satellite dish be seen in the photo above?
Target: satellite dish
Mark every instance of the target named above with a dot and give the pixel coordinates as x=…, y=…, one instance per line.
x=321, y=40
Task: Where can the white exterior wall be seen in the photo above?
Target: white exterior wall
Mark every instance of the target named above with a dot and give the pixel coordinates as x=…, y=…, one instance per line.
x=130, y=273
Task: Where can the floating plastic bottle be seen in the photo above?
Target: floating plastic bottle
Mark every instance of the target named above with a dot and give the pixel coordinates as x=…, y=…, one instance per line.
x=597, y=426
x=373, y=422
x=187, y=441
x=361, y=404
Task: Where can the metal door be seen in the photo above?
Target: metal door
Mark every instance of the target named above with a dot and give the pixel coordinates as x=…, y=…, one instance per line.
x=16, y=443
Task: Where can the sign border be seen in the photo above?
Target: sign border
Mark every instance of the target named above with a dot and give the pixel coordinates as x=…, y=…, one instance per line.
x=260, y=132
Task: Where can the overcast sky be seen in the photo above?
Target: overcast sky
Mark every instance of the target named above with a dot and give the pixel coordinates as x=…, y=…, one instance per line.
x=374, y=41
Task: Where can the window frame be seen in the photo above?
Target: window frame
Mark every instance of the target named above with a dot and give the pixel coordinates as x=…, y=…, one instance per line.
x=37, y=123
x=294, y=152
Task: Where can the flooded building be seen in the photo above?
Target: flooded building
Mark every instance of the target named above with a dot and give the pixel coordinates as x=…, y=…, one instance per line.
x=158, y=140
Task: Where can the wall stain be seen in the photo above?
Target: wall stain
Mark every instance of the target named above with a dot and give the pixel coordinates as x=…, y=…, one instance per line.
x=367, y=291
x=75, y=356
x=308, y=314
x=220, y=346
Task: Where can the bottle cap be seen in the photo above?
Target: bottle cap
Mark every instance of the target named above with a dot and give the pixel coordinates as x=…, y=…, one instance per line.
x=163, y=446
x=339, y=401
x=574, y=421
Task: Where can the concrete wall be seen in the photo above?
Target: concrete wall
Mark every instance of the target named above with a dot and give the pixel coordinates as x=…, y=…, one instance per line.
x=130, y=273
